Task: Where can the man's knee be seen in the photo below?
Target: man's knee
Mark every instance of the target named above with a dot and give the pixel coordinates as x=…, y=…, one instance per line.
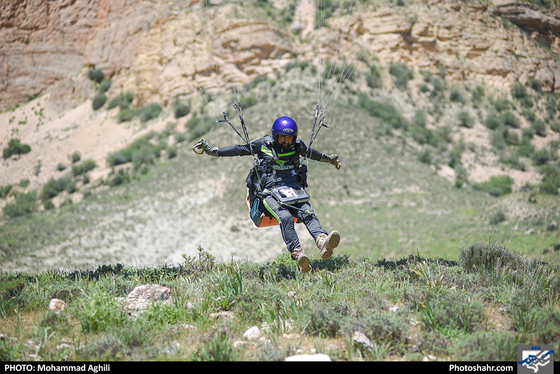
x=285, y=216
x=306, y=213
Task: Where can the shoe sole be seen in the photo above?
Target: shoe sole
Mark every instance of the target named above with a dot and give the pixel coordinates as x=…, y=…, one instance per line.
x=304, y=264
x=332, y=242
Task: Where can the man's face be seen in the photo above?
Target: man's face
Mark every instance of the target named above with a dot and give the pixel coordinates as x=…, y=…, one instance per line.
x=285, y=141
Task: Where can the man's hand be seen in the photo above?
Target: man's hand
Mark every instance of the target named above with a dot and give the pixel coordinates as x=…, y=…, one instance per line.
x=203, y=147
x=337, y=163
x=335, y=160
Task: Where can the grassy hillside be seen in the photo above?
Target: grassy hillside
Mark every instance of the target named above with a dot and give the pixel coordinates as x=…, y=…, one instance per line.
x=477, y=308
x=389, y=199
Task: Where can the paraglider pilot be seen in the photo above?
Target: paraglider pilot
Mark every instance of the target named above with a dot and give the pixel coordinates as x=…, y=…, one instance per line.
x=278, y=181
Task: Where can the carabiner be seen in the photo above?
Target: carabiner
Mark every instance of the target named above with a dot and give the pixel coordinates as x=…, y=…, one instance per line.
x=198, y=148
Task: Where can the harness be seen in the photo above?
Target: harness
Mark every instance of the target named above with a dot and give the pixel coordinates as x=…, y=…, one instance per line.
x=270, y=164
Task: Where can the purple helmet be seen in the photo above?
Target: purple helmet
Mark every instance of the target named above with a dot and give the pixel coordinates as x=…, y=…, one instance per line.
x=284, y=126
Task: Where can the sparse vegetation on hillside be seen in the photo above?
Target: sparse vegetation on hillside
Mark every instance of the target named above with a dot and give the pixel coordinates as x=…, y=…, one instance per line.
x=497, y=186
x=140, y=154
x=24, y=203
x=143, y=151
x=15, y=147
x=100, y=98
x=181, y=108
x=96, y=75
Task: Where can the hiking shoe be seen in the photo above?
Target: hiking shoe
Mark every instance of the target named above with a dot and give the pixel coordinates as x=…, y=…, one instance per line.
x=326, y=243
x=302, y=260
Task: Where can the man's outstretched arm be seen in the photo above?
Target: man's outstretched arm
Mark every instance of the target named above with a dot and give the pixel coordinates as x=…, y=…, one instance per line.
x=333, y=159
x=232, y=150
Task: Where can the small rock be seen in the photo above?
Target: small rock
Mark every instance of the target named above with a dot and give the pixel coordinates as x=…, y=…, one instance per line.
x=222, y=314
x=265, y=340
x=361, y=341
x=57, y=305
x=530, y=231
x=291, y=336
x=240, y=343
x=314, y=357
x=187, y=326
x=253, y=333
x=65, y=346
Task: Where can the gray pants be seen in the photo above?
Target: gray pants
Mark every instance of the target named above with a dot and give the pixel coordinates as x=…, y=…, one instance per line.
x=285, y=217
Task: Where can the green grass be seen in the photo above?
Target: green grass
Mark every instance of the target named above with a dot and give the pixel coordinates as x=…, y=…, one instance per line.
x=410, y=307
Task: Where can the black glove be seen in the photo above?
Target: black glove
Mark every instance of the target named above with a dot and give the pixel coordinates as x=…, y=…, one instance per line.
x=333, y=159
x=211, y=151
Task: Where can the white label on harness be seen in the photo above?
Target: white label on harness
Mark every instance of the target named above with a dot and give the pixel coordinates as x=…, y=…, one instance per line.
x=290, y=195
x=287, y=192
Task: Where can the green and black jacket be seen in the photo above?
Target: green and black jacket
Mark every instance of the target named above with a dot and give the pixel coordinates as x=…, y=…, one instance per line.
x=274, y=167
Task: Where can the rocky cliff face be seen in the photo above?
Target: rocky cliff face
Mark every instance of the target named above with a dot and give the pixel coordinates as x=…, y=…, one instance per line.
x=183, y=51
x=497, y=44
x=157, y=49
x=45, y=42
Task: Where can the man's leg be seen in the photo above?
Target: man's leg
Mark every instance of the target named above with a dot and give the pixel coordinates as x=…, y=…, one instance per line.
x=289, y=234
x=307, y=215
x=325, y=242
x=286, y=221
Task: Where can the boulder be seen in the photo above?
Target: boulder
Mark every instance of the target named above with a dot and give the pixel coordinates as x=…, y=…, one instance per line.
x=140, y=298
